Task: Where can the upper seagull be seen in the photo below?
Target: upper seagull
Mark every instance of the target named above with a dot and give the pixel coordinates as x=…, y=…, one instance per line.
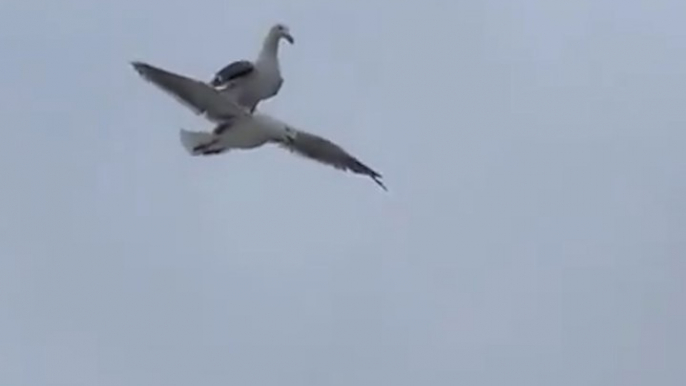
x=248, y=82
x=239, y=128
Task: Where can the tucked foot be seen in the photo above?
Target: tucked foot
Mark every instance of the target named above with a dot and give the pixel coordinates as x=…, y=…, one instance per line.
x=202, y=148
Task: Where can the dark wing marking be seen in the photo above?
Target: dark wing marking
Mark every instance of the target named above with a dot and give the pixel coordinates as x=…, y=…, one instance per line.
x=232, y=71
x=222, y=127
x=198, y=96
x=322, y=150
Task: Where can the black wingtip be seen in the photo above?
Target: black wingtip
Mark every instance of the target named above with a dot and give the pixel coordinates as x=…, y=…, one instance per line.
x=141, y=68
x=148, y=71
x=137, y=64
x=377, y=179
x=359, y=167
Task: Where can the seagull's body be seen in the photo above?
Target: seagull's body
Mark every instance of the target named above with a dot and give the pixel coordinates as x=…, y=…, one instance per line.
x=248, y=83
x=244, y=133
x=239, y=128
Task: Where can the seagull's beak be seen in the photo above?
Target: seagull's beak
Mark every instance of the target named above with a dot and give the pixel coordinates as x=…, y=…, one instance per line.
x=289, y=37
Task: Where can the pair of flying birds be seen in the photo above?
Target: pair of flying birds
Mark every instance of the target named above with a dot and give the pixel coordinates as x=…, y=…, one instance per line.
x=230, y=99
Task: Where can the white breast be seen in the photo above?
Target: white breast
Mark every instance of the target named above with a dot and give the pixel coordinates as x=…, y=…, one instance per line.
x=244, y=135
x=268, y=79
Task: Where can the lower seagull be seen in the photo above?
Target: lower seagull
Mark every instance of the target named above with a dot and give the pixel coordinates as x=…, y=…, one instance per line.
x=238, y=128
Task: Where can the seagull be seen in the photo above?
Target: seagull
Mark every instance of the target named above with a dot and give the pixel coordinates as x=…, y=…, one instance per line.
x=239, y=128
x=250, y=82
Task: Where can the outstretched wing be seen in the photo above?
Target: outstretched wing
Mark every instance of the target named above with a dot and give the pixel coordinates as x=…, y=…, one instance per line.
x=196, y=95
x=322, y=150
x=232, y=71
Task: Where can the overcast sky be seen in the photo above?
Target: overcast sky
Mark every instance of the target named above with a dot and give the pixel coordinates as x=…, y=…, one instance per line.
x=534, y=232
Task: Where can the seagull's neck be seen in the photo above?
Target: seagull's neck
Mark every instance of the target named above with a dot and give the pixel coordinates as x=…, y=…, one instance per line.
x=270, y=49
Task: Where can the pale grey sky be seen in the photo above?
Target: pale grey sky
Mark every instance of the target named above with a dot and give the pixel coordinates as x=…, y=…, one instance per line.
x=534, y=232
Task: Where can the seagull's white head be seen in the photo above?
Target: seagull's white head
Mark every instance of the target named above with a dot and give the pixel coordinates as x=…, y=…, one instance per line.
x=282, y=31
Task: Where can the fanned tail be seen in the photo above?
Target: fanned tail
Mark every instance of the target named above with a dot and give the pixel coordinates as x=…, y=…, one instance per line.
x=200, y=142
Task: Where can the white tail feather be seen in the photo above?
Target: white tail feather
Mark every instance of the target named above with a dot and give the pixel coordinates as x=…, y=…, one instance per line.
x=192, y=139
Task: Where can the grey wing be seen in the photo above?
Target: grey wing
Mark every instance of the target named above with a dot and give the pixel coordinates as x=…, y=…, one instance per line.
x=198, y=96
x=322, y=150
x=239, y=95
x=232, y=71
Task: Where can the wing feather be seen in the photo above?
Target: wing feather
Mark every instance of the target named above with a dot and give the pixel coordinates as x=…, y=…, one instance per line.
x=232, y=71
x=196, y=95
x=326, y=152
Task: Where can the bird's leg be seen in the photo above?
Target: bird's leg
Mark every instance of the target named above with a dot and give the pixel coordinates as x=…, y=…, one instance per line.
x=212, y=152
x=222, y=127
